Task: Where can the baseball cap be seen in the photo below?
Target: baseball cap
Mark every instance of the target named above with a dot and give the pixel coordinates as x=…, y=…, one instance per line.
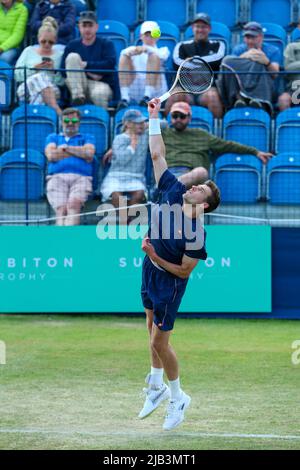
x=134, y=115
x=148, y=26
x=202, y=17
x=252, y=29
x=181, y=107
x=87, y=16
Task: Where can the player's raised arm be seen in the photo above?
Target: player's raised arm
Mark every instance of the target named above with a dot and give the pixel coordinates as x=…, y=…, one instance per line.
x=156, y=143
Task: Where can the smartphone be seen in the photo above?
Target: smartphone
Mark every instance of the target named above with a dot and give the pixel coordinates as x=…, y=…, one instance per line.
x=46, y=59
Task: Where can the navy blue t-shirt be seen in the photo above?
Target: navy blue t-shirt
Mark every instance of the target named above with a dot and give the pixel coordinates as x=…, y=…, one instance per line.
x=172, y=234
x=100, y=55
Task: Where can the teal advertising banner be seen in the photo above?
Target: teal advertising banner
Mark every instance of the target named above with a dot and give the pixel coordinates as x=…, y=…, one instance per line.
x=69, y=269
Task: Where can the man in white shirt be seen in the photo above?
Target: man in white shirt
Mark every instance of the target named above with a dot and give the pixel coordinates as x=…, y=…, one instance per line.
x=137, y=83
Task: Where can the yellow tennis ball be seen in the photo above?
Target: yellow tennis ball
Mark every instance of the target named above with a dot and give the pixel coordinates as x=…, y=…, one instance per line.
x=155, y=33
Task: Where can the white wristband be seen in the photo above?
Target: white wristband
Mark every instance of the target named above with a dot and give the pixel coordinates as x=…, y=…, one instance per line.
x=154, y=126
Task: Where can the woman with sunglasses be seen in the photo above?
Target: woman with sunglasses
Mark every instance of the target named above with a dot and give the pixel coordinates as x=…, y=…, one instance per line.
x=40, y=62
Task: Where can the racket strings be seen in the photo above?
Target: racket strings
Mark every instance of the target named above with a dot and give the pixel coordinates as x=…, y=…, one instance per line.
x=195, y=76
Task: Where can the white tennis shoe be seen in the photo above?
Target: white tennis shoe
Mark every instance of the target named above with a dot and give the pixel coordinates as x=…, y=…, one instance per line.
x=175, y=412
x=154, y=397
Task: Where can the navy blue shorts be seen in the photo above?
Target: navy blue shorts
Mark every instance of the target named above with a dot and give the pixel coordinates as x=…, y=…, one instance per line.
x=162, y=293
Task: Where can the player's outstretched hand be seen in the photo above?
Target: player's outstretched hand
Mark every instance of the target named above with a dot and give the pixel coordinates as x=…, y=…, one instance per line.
x=148, y=248
x=154, y=107
x=264, y=156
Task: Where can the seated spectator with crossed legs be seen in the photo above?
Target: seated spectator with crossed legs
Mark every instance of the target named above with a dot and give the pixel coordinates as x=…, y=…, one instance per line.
x=69, y=181
x=189, y=149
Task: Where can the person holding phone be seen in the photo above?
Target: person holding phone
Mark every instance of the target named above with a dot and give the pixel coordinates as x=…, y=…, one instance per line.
x=41, y=61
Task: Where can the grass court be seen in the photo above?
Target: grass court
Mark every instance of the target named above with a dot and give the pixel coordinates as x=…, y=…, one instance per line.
x=75, y=382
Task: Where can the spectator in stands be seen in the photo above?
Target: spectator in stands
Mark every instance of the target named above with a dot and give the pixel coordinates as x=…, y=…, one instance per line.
x=253, y=87
x=126, y=175
x=92, y=53
x=62, y=11
x=188, y=149
x=291, y=64
x=81, y=5
x=13, y=20
x=70, y=156
x=212, y=52
x=141, y=87
x=42, y=83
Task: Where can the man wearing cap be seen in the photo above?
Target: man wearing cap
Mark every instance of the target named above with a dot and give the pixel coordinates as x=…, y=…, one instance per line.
x=90, y=55
x=126, y=175
x=139, y=84
x=188, y=149
x=254, y=49
x=210, y=51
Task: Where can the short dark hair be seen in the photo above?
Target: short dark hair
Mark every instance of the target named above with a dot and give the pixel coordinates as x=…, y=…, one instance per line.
x=215, y=198
x=71, y=111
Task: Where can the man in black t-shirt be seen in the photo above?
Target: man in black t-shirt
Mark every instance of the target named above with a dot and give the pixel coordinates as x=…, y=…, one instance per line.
x=212, y=52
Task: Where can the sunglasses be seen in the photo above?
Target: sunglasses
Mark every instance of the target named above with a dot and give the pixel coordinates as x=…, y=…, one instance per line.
x=73, y=120
x=179, y=116
x=47, y=41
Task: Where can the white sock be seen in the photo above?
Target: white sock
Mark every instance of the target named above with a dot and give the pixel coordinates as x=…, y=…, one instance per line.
x=156, y=377
x=175, y=389
x=149, y=91
x=125, y=93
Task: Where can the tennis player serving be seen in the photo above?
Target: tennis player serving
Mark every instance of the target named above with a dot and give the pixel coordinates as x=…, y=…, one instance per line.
x=174, y=244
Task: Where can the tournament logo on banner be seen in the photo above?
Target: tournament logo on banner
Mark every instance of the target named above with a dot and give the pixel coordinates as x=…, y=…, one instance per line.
x=70, y=269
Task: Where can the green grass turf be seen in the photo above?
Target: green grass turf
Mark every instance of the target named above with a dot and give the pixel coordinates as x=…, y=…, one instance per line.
x=79, y=380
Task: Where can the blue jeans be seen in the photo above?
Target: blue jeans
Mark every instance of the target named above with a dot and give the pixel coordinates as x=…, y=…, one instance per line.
x=10, y=56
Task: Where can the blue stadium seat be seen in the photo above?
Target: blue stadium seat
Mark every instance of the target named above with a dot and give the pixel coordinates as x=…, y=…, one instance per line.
x=16, y=170
x=219, y=32
x=295, y=36
x=41, y=121
x=126, y=13
x=176, y=11
x=6, y=80
x=278, y=11
x=80, y=5
x=95, y=121
x=275, y=34
x=201, y=118
x=119, y=116
x=218, y=9
x=287, y=130
x=239, y=178
x=117, y=32
x=248, y=126
x=170, y=36
x=283, y=179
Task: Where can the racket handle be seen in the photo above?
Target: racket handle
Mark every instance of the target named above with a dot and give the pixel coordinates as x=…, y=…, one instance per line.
x=162, y=98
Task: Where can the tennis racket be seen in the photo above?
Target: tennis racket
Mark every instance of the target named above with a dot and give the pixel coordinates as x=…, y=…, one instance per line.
x=193, y=76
